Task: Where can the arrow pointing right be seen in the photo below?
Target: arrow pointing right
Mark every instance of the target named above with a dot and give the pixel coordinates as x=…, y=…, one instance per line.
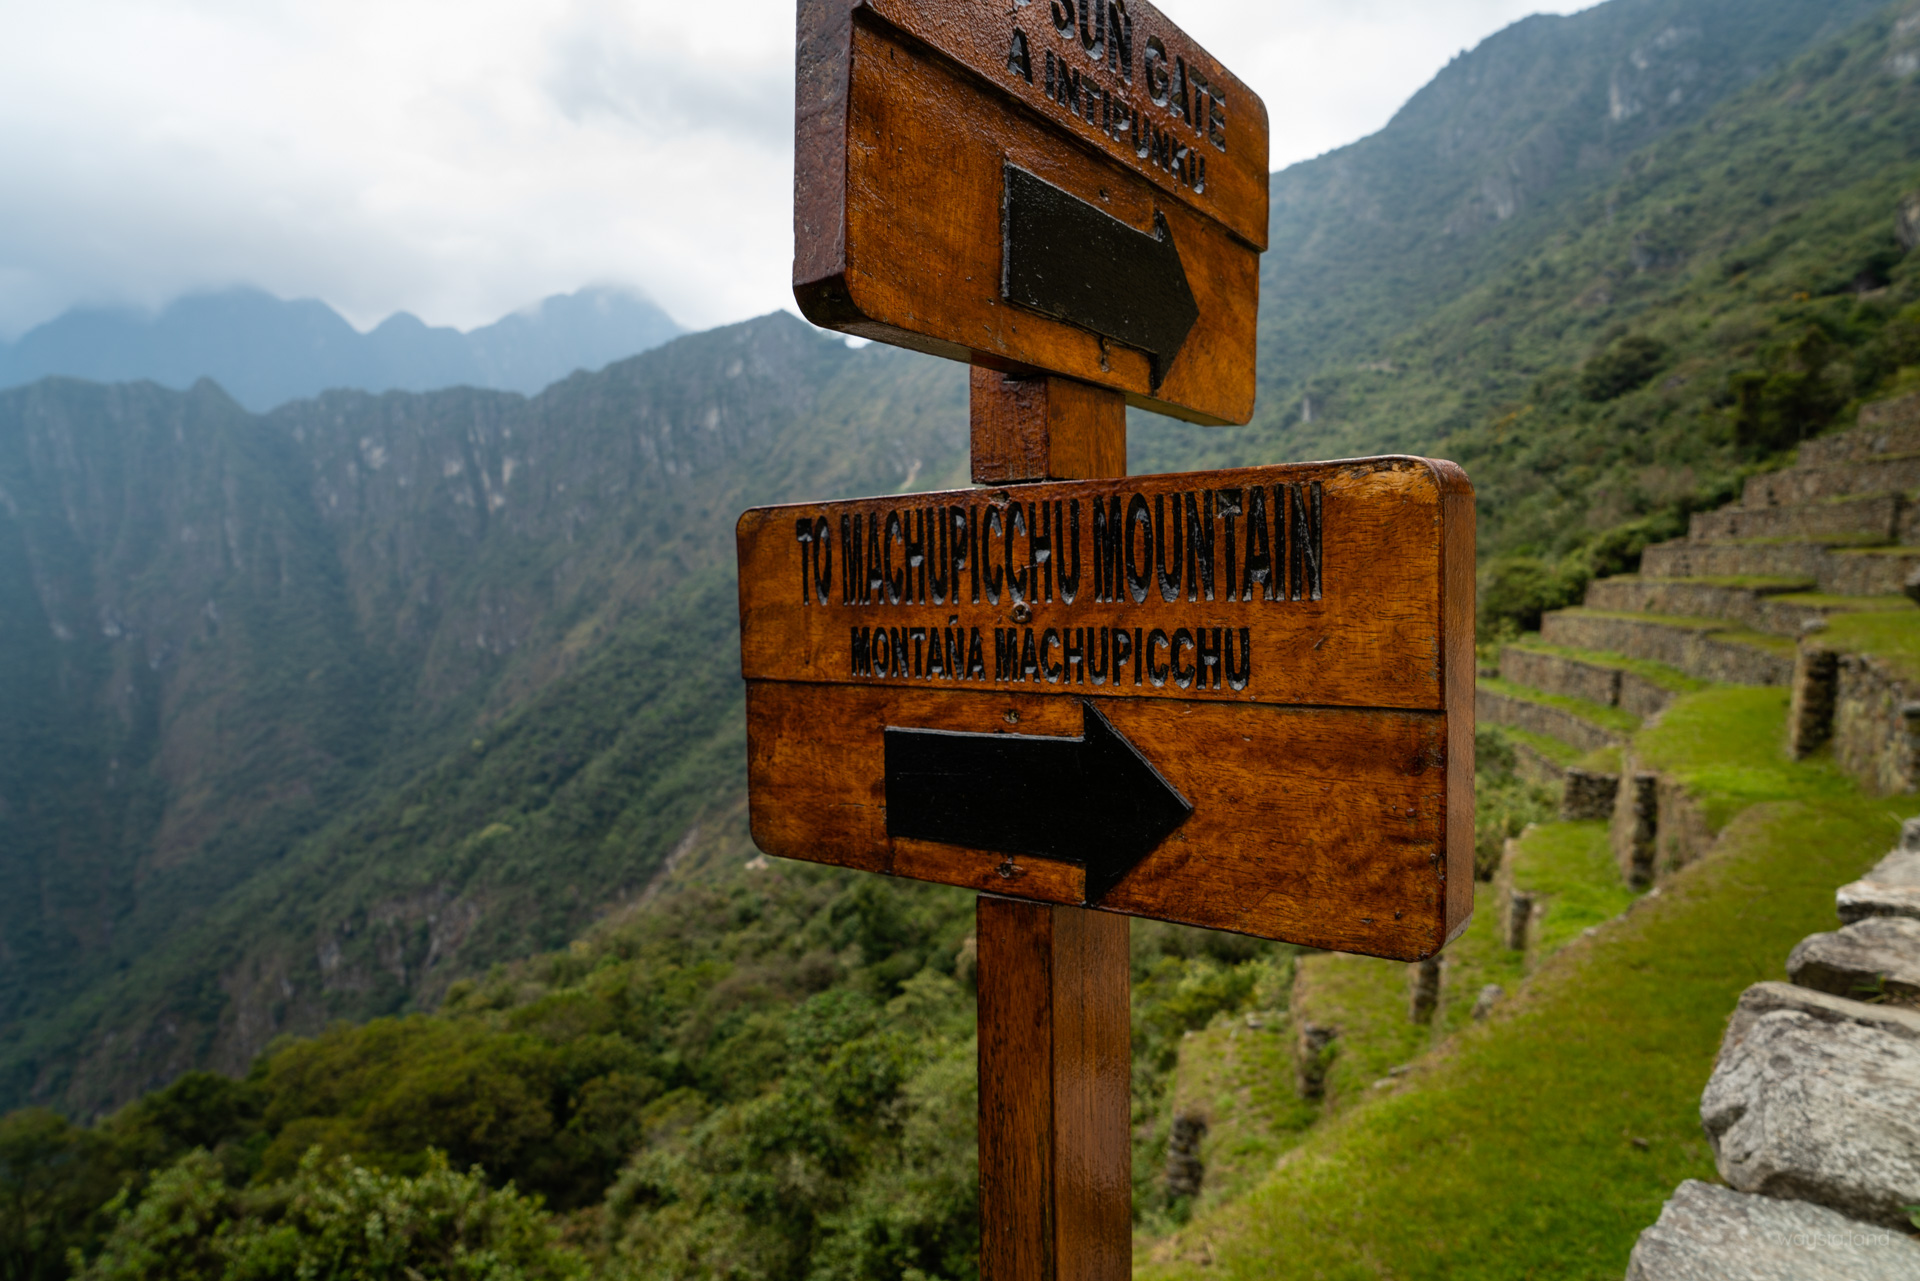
x=1074, y=261
x=1092, y=800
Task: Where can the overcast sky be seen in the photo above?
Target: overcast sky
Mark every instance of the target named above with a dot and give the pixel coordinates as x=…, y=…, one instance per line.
x=459, y=160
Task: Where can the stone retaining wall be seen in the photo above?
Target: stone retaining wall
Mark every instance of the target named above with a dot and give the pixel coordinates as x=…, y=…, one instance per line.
x=1538, y=718
x=1554, y=674
x=1877, y=518
x=1696, y=652
x=1876, y=725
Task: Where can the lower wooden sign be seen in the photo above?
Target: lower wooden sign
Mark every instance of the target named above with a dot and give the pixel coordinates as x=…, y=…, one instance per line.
x=1237, y=699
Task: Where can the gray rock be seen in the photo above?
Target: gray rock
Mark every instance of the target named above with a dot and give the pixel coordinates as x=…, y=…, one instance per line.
x=1490, y=996
x=1708, y=1233
x=1875, y=958
x=1892, y=888
x=1817, y=1098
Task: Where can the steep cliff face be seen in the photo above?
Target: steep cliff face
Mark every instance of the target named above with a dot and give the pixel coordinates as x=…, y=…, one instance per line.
x=1369, y=240
x=306, y=714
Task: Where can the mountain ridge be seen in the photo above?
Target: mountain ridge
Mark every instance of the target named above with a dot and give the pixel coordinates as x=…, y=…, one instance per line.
x=265, y=351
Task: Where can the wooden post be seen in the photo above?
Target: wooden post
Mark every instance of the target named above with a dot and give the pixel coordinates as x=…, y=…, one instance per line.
x=1056, y=1103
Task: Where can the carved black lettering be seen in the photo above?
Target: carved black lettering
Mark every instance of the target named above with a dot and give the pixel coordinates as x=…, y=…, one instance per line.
x=1154, y=70
x=1282, y=526
x=939, y=556
x=1217, y=121
x=1181, y=167
x=1019, y=61
x=919, y=549
x=1122, y=653
x=1141, y=519
x=803, y=534
x=1106, y=551
x=1006, y=654
x=1201, y=92
x=956, y=650
x=1073, y=642
x=1258, y=571
x=1156, y=671
x=822, y=560
x=1228, y=505
x=1209, y=657
x=976, y=660
x=973, y=551
x=1050, y=641
x=850, y=571
x=1017, y=584
x=994, y=573
x=896, y=579
x=876, y=586
x=1068, y=541
x=1168, y=555
x=902, y=652
x=1140, y=657
x=1100, y=658
x=1180, y=110
x=1310, y=554
x=1302, y=517
x=1040, y=549
x=1063, y=18
x=1239, y=677
x=862, y=651
x=1029, y=658
x=1052, y=85
x=937, y=652
x=881, y=660
x=1093, y=29
x=1120, y=39
x=1200, y=544
x=918, y=635
x=1182, y=676
x=1197, y=169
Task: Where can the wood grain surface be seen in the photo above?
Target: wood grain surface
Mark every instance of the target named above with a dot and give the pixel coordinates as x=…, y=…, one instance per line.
x=1372, y=638
x=1056, y=1195
x=1326, y=827
x=908, y=115
x=1029, y=429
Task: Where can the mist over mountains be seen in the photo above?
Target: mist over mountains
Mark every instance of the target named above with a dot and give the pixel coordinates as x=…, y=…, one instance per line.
x=307, y=714
x=265, y=351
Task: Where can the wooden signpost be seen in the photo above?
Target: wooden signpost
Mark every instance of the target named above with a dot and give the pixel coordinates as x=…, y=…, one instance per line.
x=1237, y=699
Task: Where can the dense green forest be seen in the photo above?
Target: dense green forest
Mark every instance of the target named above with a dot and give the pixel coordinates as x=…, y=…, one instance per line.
x=387, y=695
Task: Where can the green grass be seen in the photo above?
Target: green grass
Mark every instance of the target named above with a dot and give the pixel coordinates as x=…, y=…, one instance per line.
x=1517, y=1150
x=1609, y=718
x=1602, y=760
x=1728, y=747
x=1656, y=673
x=1561, y=754
x=1852, y=604
x=1892, y=637
x=1571, y=867
x=1763, y=583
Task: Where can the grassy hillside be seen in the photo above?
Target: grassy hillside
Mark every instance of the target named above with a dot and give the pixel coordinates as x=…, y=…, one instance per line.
x=1622, y=355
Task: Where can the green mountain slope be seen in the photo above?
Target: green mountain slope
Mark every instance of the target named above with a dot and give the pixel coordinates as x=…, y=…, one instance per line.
x=1721, y=247
x=378, y=690
x=307, y=715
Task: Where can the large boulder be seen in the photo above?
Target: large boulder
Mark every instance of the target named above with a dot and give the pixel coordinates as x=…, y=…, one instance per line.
x=1708, y=1233
x=1892, y=888
x=1817, y=1098
x=1878, y=958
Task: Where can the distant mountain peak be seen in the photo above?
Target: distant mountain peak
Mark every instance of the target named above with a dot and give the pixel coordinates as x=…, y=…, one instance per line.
x=266, y=350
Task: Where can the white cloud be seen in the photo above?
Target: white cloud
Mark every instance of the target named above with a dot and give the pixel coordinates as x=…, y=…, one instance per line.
x=461, y=159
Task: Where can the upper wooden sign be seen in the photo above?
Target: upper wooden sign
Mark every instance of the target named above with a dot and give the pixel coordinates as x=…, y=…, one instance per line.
x=1238, y=699
x=1062, y=186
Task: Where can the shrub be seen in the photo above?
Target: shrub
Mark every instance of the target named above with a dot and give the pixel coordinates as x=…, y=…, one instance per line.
x=332, y=1219
x=1626, y=366
x=1516, y=590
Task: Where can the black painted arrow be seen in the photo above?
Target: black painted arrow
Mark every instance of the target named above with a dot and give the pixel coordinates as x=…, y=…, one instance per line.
x=1092, y=800
x=1074, y=261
